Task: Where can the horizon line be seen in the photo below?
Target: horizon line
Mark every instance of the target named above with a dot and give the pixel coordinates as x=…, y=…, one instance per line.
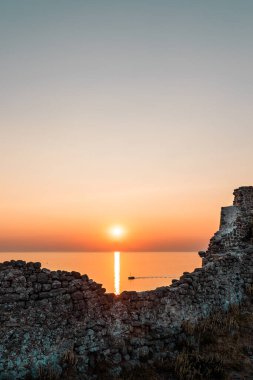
x=92, y=251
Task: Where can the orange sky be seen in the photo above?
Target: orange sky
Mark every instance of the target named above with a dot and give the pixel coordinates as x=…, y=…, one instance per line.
x=174, y=222
x=132, y=113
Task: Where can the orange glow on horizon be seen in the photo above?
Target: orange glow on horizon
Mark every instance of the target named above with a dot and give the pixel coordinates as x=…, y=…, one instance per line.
x=180, y=226
x=170, y=233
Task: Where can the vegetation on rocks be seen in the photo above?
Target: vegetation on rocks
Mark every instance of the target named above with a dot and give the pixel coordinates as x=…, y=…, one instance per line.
x=218, y=347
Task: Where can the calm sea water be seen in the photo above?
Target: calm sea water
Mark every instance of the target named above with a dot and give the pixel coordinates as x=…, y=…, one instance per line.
x=113, y=268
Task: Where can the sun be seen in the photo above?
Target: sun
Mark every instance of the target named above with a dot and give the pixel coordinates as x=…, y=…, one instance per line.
x=117, y=231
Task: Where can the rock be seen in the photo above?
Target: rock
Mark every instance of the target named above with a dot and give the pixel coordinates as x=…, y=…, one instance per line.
x=43, y=278
x=56, y=284
x=46, y=287
x=143, y=351
x=20, y=263
x=116, y=359
x=33, y=278
x=76, y=275
x=77, y=295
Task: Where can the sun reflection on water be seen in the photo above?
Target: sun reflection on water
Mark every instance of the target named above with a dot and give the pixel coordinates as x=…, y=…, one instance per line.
x=117, y=272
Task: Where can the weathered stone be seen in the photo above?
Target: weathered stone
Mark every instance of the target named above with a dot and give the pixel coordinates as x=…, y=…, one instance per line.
x=37, y=287
x=116, y=358
x=57, y=292
x=56, y=284
x=76, y=275
x=43, y=295
x=77, y=295
x=33, y=278
x=43, y=278
x=46, y=287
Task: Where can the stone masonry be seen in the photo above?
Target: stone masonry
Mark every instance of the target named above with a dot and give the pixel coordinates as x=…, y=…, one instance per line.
x=52, y=320
x=235, y=224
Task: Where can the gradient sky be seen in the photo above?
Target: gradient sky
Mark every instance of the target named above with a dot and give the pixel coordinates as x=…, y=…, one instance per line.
x=132, y=112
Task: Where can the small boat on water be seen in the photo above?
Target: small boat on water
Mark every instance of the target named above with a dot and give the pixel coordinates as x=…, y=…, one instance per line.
x=144, y=277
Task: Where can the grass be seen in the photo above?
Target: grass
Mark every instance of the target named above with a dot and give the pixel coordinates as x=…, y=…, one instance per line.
x=195, y=366
x=249, y=290
x=216, y=348
x=69, y=358
x=48, y=373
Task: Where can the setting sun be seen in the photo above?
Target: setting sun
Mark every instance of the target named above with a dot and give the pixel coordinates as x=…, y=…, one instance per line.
x=117, y=231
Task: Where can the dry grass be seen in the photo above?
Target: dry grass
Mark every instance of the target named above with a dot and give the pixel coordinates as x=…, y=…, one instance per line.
x=216, y=346
x=188, y=327
x=249, y=290
x=48, y=373
x=194, y=366
x=220, y=323
x=69, y=358
x=141, y=373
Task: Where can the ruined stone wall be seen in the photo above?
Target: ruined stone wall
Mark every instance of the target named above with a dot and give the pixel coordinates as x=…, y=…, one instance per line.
x=51, y=320
x=244, y=197
x=45, y=315
x=235, y=224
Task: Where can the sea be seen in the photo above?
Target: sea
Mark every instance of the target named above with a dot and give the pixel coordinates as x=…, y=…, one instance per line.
x=148, y=270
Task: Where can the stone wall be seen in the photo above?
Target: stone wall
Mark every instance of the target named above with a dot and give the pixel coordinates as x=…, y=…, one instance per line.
x=235, y=224
x=244, y=197
x=51, y=321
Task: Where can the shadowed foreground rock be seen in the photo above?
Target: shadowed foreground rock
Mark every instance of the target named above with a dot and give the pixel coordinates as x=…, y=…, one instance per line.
x=55, y=323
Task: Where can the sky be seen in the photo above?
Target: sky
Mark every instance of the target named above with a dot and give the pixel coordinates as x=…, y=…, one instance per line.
x=133, y=113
